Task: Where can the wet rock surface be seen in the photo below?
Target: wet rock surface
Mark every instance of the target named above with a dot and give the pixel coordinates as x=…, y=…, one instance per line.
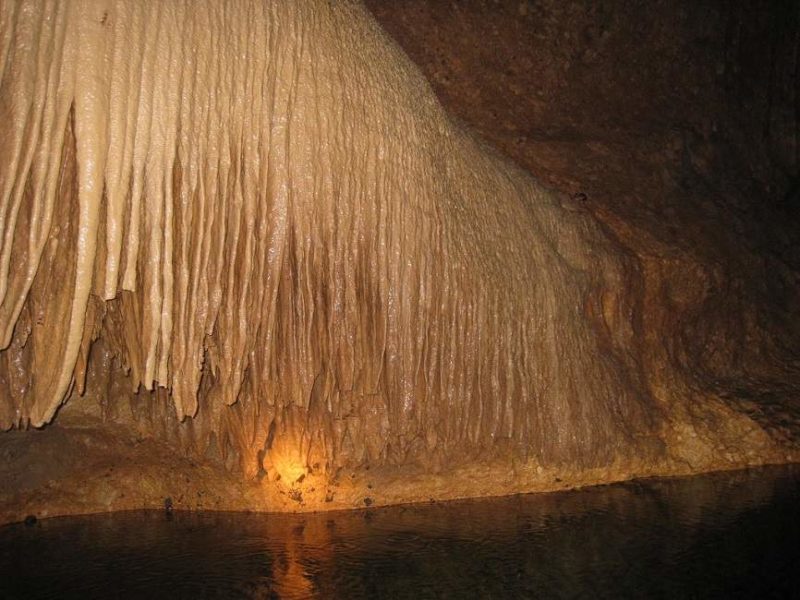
x=323, y=290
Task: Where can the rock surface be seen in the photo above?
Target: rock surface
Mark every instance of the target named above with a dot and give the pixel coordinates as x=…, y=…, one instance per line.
x=252, y=263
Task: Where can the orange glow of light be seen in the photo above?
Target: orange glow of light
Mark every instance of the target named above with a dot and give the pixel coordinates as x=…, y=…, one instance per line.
x=289, y=470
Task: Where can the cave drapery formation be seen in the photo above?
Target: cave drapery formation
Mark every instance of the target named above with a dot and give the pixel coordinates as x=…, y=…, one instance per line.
x=250, y=229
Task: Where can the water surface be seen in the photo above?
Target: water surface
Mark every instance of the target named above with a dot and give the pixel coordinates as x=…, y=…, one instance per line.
x=721, y=535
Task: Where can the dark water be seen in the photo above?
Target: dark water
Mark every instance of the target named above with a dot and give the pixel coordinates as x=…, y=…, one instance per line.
x=723, y=535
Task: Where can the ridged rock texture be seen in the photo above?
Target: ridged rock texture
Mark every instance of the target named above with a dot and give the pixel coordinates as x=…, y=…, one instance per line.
x=248, y=230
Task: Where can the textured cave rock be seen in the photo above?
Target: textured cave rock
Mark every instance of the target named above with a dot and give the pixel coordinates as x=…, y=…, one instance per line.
x=248, y=234
x=679, y=123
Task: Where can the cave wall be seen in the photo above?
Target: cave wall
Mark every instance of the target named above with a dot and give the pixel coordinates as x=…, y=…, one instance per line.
x=251, y=230
x=677, y=123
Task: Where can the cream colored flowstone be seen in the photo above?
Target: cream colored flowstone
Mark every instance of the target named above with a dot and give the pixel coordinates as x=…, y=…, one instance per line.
x=262, y=205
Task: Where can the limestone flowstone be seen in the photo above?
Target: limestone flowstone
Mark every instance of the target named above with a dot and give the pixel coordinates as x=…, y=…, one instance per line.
x=253, y=226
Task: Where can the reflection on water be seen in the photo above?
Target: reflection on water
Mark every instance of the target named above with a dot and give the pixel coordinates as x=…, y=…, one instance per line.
x=720, y=535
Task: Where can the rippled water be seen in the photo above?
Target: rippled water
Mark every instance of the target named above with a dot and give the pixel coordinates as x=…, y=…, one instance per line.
x=721, y=535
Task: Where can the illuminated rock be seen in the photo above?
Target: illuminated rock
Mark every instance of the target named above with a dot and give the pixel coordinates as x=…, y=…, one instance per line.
x=258, y=217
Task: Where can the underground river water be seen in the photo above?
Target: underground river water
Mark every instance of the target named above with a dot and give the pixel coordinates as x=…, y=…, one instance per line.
x=721, y=535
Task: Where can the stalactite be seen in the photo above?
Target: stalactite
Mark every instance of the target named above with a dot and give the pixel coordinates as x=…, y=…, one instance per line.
x=261, y=208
